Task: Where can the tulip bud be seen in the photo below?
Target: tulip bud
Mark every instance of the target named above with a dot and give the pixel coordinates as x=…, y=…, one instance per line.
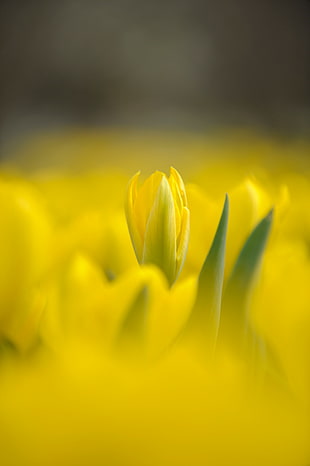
x=158, y=221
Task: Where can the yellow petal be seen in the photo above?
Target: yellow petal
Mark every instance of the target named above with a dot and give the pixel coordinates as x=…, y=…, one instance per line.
x=145, y=200
x=179, y=196
x=174, y=174
x=183, y=240
x=131, y=217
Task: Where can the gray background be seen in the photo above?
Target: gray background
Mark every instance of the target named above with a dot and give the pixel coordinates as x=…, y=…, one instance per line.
x=184, y=64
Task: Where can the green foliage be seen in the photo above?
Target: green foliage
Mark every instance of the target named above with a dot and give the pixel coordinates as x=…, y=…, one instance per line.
x=205, y=316
x=234, y=314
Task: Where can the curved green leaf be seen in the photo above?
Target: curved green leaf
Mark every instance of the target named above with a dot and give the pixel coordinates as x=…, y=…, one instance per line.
x=234, y=314
x=205, y=316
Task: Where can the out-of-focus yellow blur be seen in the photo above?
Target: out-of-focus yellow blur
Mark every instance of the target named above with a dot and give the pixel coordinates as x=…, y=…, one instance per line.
x=76, y=389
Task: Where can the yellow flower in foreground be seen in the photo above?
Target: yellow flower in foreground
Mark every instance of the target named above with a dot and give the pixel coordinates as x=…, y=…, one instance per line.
x=158, y=221
x=103, y=362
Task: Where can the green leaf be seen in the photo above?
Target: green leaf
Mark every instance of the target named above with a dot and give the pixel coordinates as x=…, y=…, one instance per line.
x=205, y=316
x=234, y=316
x=132, y=331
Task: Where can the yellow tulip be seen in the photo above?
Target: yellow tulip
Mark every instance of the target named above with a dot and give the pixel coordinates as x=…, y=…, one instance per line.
x=158, y=221
x=102, y=362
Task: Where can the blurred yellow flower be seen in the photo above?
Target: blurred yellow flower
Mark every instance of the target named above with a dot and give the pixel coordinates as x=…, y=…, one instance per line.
x=108, y=360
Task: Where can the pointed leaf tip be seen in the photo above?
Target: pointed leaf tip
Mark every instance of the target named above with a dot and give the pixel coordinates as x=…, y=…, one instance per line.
x=219, y=242
x=234, y=313
x=251, y=254
x=206, y=313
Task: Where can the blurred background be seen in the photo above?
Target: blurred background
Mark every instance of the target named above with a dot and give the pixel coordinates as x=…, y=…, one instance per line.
x=192, y=65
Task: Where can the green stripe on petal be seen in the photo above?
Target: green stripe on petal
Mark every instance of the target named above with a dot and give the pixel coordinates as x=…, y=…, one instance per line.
x=160, y=233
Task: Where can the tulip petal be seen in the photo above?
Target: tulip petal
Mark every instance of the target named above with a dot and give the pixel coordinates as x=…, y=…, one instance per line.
x=175, y=175
x=183, y=240
x=160, y=233
x=145, y=200
x=130, y=215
